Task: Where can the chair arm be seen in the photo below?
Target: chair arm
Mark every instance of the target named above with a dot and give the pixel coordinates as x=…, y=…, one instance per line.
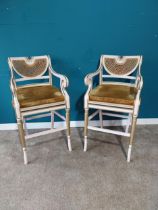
x=13, y=88
x=64, y=82
x=140, y=82
x=15, y=101
x=137, y=99
x=89, y=82
x=89, y=77
x=139, y=85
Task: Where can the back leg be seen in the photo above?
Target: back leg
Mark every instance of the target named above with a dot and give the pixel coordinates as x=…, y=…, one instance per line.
x=22, y=139
x=68, y=129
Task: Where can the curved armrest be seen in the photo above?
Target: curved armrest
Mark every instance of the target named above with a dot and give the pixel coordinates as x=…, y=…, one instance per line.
x=89, y=77
x=12, y=86
x=15, y=101
x=137, y=99
x=89, y=82
x=140, y=82
x=64, y=82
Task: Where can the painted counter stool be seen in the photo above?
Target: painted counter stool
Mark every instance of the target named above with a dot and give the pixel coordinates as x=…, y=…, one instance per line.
x=119, y=89
x=37, y=99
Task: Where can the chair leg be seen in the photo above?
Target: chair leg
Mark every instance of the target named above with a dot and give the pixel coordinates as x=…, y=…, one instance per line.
x=134, y=120
x=22, y=139
x=101, y=118
x=25, y=127
x=85, y=129
x=68, y=129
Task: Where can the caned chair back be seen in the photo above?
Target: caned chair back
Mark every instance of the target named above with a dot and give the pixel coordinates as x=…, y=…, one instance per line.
x=120, y=67
x=29, y=68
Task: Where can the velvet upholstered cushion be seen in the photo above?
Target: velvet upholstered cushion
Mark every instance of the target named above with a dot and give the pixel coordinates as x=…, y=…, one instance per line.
x=113, y=93
x=38, y=95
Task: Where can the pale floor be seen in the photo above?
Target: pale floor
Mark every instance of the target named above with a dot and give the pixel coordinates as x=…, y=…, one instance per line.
x=99, y=179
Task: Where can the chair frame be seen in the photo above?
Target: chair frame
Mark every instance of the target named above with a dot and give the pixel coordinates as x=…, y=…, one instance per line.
x=35, y=112
x=105, y=108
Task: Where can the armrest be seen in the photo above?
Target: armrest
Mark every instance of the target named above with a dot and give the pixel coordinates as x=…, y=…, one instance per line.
x=89, y=82
x=140, y=82
x=139, y=85
x=15, y=101
x=64, y=82
x=89, y=77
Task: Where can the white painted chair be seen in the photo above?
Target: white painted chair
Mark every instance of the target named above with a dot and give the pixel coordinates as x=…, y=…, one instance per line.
x=36, y=100
x=113, y=95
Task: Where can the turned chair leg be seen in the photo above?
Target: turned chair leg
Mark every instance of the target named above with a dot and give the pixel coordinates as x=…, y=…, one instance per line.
x=22, y=139
x=134, y=120
x=68, y=129
x=85, y=129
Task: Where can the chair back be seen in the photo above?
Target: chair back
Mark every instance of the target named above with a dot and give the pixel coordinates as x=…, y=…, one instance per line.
x=120, y=67
x=30, y=68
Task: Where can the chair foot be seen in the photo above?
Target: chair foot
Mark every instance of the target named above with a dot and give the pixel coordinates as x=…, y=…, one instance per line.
x=129, y=153
x=85, y=144
x=69, y=143
x=25, y=156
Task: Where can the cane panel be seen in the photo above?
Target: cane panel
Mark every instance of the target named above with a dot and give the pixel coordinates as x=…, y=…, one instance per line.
x=30, y=67
x=121, y=66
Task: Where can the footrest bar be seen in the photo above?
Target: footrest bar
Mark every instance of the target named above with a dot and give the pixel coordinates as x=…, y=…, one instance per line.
x=44, y=133
x=109, y=131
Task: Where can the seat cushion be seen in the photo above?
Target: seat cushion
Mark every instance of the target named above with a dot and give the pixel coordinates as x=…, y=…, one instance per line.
x=38, y=95
x=113, y=93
